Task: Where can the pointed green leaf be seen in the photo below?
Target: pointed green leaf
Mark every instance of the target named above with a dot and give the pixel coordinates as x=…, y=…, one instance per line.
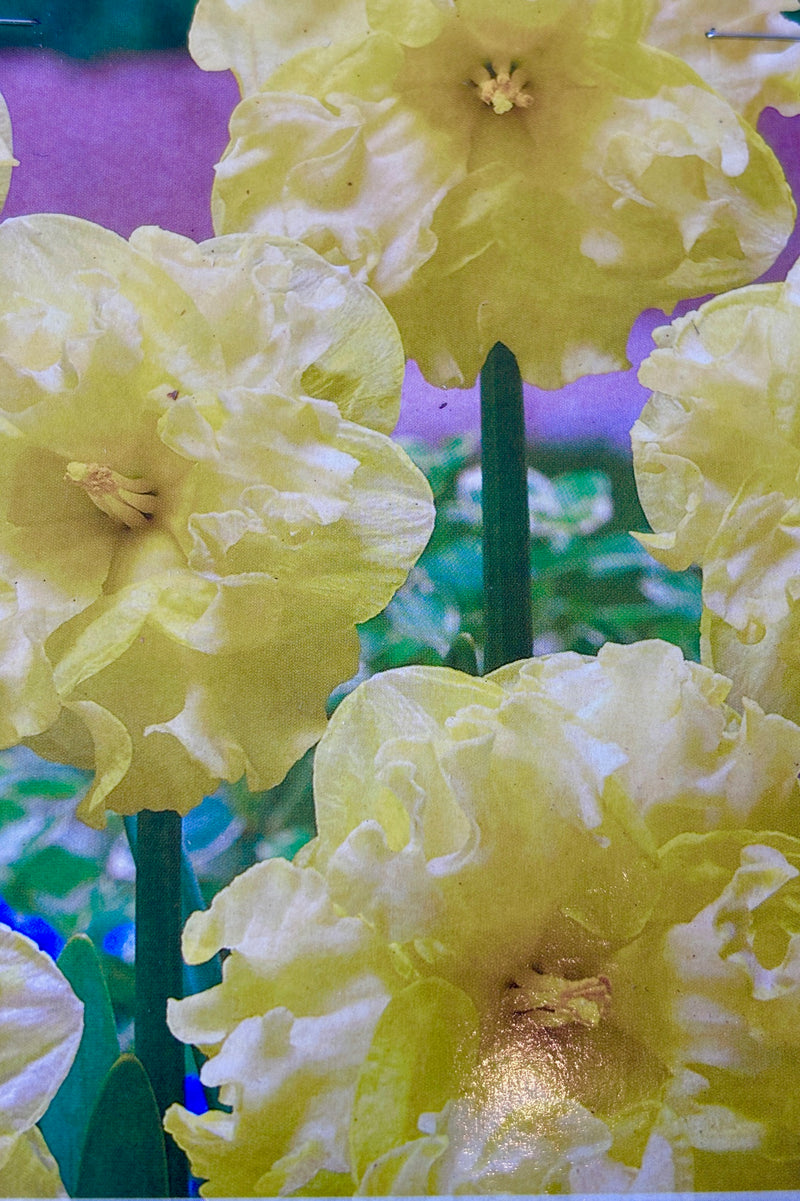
x=123, y=1155
x=462, y=656
x=423, y=1046
x=64, y=1124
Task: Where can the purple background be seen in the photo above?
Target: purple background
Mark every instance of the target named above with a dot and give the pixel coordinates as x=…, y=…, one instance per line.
x=132, y=140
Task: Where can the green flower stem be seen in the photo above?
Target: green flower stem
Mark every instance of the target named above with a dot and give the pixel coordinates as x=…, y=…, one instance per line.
x=506, y=523
x=159, y=967
x=200, y=976
x=196, y=977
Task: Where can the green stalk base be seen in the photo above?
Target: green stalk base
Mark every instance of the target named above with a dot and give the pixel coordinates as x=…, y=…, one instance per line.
x=506, y=522
x=159, y=968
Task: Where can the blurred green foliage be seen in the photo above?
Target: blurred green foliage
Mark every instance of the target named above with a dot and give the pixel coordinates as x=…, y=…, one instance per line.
x=591, y=582
x=87, y=28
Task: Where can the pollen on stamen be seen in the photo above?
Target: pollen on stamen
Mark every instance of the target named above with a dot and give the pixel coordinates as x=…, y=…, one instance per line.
x=553, y=1001
x=131, y=502
x=501, y=87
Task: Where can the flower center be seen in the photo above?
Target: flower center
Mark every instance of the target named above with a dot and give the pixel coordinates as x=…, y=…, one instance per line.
x=131, y=502
x=502, y=87
x=554, y=1001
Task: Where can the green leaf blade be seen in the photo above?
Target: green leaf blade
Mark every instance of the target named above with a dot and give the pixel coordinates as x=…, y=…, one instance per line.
x=124, y=1155
x=65, y=1123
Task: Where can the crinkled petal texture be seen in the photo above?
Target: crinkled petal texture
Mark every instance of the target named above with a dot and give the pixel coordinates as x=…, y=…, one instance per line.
x=252, y=37
x=280, y=316
x=717, y=459
x=41, y=1022
x=751, y=75
x=529, y=173
x=538, y=944
x=287, y=1031
x=197, y=502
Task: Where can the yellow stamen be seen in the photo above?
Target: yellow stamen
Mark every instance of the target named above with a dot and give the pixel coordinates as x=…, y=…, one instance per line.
x=129, y=501
x=501, y=88
x=554, y=1001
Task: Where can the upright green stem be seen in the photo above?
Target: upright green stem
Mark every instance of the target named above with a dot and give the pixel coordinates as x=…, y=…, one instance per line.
x=506, y=524
x=159, y=967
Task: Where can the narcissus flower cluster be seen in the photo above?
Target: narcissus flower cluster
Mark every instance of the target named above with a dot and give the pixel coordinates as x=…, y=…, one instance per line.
x=529, y=172
x=198, y=501
x=41, y=1022
x=542, y=942
x=717, y=458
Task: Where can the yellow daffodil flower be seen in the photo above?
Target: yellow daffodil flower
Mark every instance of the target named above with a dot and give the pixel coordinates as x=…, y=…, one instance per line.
x=751, y=74
x=529, y=173
x=41, y=1022
x=717, y=459
x=539, y=945
x=197, y=503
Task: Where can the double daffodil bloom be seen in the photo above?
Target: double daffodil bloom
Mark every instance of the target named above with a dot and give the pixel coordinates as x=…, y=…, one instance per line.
x=541, y=943
x=717, y=459
x=41, y=1022
x=750, y=73
x=198, y=502
x=528, y=172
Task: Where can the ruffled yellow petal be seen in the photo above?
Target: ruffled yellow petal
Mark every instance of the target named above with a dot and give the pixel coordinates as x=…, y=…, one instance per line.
x=727, y=952
x=27, y=1169
x=287, y=984
x=229, y=34
x=304, y=169
x=750, y=75
x=413, y=837
x=29, y=701
x=769, y=669
x=113, y=752
x=717, y=461
x=271, y=303
x=411, y=22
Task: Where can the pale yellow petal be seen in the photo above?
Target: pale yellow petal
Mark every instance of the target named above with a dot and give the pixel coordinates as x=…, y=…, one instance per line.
x=750, y=75
x=229, y=34
x=270, y=303
x=27, y=1169
x=41, y=1021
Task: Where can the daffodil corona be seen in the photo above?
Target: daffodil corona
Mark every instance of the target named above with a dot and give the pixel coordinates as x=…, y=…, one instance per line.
x=540, y=944
x=527, y=171
x=198, y=501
